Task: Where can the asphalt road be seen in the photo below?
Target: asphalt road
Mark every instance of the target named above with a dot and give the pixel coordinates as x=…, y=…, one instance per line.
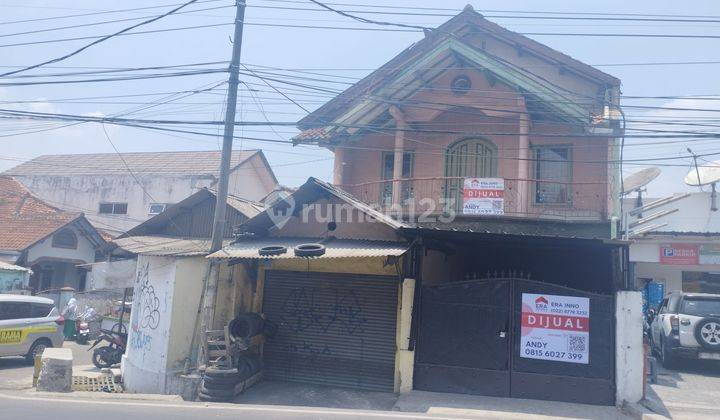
x=16, y=373
x=692, y=391
x=26, y=407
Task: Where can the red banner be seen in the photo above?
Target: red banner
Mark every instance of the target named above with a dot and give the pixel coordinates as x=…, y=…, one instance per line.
x=679, y=254
x=467, y=193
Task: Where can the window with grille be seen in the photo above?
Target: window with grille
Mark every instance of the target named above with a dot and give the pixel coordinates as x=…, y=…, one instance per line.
x=387, y=175
x=553, y=174
x=113, y=208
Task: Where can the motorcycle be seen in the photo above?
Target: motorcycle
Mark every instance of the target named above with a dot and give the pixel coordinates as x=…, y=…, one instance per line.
x=110, y=354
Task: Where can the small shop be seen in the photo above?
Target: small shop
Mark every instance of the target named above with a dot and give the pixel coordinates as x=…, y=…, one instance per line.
x=677, y=262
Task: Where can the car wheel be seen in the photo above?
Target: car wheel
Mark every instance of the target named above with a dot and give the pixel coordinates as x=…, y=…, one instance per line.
x=707, y=333
x=37, y=349
x=666, y=358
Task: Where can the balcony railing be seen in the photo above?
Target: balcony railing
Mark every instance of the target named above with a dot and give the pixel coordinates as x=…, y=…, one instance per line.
x=527, y=198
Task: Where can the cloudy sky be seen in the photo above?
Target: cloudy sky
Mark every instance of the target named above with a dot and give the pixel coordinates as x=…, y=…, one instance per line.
x=277, y=35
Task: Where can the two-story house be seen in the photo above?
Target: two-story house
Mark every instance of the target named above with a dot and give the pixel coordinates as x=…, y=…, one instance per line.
x=120, y=191
x=474, y=100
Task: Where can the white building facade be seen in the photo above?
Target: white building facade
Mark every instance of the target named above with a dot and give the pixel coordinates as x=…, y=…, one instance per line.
x=118, y=192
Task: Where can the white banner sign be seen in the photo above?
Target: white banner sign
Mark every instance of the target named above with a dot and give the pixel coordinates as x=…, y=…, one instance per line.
x=483, y=196
x=555, y=328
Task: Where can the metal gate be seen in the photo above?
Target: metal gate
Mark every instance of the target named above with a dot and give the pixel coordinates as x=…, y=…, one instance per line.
x=334, y=329
x=469, y=342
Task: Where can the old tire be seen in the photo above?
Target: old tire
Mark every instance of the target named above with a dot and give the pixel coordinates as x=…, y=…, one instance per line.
x=220, y=383
x=228, y=393
x=246, y=325
x=37, y=348
x=212, y=398
x=309, y=250
x=217, y=372
x=99, y=359
x=707, y=333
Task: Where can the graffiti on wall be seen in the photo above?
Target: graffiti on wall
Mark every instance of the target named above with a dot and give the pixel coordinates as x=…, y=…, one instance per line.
x=301, y=311
x=146, y=311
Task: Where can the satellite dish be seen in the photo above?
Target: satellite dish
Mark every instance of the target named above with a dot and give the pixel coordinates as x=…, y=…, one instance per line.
x=637, y=181
x=708, y=174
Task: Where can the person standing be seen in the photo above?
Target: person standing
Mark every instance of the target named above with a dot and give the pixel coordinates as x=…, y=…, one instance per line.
x=70, y=315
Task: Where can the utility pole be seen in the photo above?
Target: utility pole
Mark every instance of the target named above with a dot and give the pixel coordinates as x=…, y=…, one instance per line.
x=219, y=222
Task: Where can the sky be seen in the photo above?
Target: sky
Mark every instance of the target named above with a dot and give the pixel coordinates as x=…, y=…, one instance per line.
x=339, y=57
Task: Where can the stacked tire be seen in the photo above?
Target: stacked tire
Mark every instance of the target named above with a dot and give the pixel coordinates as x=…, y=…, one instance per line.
x=219, y=384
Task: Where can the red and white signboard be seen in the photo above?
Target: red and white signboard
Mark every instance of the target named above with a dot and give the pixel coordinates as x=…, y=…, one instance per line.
x=555, y=328
x=484, y=196
x=679, y=254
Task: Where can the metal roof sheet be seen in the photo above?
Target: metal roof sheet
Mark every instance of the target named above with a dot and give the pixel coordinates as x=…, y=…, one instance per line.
x=13, y=267
x=185, y=163
x=164, y=246
x=334, y=248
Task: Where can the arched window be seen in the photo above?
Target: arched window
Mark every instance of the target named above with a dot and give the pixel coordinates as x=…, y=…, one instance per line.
x=468, y=158
x=65, y=238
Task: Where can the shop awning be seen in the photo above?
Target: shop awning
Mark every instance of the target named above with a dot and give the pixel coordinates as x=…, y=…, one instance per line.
x=334, y=248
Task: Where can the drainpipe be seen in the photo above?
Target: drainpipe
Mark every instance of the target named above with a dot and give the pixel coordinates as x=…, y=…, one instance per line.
x=400, y=126
x=523, y=157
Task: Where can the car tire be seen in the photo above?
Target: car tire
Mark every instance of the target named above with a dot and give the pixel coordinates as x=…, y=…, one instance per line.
x=707, y=333
x=37, y=348
x=666, y=357
x=220, y=383
x=212, y=398
x=217, y=372
x=228, y=393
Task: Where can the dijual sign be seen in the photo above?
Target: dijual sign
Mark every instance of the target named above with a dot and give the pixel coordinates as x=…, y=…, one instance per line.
x=484, y=196
x=555, y=328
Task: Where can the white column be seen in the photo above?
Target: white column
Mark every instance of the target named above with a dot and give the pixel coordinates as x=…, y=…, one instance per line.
x=404, y=358
x=523, y=187
x=629, y=352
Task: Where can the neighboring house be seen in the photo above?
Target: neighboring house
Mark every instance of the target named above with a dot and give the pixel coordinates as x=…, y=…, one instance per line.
x=107, y=187
x=475, y=100
x=167, y=255
x=13, y=278
x=51, y=242
x=681, y=249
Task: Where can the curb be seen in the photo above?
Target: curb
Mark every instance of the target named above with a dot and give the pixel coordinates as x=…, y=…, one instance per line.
x=105, y=396
x=640, y=412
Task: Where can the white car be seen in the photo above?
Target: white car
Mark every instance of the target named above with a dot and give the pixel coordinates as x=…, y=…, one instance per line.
x=28, y=325
x=687, y=325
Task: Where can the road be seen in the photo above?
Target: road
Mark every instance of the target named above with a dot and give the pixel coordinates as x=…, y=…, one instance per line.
x=26, y=407
x=691, y=391
x=16, y=373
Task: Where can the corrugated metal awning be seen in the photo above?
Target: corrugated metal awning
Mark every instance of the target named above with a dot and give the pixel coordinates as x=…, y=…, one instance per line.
x=334, y=248
x=164, y=246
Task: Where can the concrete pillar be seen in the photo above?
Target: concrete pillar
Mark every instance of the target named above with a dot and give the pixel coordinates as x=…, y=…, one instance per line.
x=523, y=187
x=404, y=358
x=339, y=166
x=400, y=126
x=56, y=370
x=629, y=354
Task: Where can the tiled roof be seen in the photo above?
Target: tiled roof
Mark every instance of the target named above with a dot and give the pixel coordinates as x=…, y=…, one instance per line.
x=186, y=163
x=25, y=219
x=313, y=134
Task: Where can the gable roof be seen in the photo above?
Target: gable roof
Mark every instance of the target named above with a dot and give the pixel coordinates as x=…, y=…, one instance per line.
x=310, y=192
x=320, y=124
x=245, y=207
x=25, y=219
x=142, y=163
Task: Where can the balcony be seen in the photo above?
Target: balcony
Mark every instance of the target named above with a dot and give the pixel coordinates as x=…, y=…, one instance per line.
x=520, y=198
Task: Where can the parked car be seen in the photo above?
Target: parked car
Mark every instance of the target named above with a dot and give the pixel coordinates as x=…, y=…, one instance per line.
x=28, y=325
x=687, y=325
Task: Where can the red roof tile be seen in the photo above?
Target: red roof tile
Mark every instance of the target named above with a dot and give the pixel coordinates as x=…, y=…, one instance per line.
x=25, y=219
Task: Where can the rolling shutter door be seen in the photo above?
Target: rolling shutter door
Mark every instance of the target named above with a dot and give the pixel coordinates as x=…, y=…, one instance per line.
x=334, y=329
